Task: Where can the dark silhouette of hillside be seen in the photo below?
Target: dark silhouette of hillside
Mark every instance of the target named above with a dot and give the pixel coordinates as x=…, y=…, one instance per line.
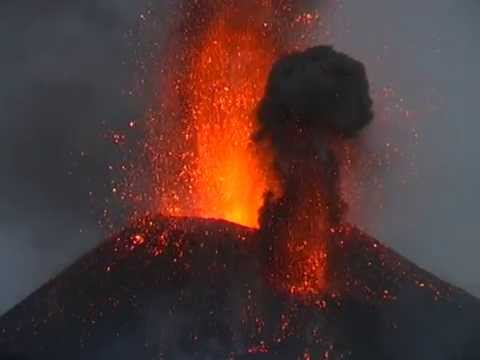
x=198, y=289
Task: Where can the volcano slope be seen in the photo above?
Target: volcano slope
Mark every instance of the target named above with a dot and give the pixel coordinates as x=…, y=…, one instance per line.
x=184, y=288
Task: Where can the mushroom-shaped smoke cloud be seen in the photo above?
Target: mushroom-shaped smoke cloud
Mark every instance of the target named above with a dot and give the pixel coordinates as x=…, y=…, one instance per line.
x=313, y=99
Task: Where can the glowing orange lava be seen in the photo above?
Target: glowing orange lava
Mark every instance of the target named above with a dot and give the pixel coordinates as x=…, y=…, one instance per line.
x=225, y=84
x=208, y=165
x=199, y=143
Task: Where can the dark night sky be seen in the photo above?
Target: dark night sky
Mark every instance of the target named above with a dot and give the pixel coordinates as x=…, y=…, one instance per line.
x=65, y=69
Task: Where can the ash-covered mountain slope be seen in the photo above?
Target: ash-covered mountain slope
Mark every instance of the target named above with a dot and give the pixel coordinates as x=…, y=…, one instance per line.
x=198, y=289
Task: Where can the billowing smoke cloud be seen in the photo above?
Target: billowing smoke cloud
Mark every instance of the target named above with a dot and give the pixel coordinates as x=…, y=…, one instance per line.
x=313, y=99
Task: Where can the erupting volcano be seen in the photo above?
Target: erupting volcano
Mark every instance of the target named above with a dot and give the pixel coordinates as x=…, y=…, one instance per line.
x=225, y=166
x=251, y=257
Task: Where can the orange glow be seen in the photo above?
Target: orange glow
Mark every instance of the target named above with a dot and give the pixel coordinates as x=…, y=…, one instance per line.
x=204, y=160
x=226, y=82
x=308, y=278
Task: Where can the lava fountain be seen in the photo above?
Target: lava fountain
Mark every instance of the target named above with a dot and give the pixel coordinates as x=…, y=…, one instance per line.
x=225, y=84
x=217, y=71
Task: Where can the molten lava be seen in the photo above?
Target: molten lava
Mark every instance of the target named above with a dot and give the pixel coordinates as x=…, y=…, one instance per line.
x=204, y=161
x=225, y=83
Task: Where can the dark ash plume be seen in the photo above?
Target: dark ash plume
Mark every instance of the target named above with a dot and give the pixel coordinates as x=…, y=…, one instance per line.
x=319, y=89
x=313, y=99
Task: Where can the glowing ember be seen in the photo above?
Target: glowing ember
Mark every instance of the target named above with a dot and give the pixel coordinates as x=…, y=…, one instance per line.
x=299, y=256
x=138, y=239
x=311, y=275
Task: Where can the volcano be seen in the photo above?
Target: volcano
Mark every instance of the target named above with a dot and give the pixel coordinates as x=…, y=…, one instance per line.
x=189, y=288
x=253, y=131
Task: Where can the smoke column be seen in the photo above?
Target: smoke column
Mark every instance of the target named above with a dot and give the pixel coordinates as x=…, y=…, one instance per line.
x=313, y=100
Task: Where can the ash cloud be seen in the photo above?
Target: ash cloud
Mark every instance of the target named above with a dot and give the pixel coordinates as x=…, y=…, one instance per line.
x=313, y=99
x=317, y=90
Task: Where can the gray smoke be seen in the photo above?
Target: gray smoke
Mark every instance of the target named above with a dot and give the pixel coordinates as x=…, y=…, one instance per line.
x=66, y=72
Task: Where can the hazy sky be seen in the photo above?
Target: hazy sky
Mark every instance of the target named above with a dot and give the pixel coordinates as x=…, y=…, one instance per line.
x=428, y=52
x=63, y=77
x=66, y=67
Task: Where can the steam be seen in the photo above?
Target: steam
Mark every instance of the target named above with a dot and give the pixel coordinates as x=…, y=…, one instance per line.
x=313, y=99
